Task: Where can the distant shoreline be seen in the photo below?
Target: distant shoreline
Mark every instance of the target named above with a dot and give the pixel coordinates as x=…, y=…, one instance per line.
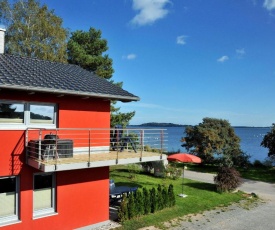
x=163, y=124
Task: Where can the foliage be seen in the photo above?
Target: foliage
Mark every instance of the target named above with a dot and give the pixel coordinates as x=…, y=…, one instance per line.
x=203, y=196
x=133, y=170
x=173, y=172
x=146, y=201
x=269, y=141
x=265, y=174
x=123, y=209
x=33, y=30
x=212, y=136
x=258, y=164
x=171, y=196
x=143, y=203
x=227, y=179
x=269, y=161
x=242, y=160
x=87, y=49
x=120, y=118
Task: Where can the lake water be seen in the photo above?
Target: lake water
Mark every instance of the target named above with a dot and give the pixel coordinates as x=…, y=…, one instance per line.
x=251, y=139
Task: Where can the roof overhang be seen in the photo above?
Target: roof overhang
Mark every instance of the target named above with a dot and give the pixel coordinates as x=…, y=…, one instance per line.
x=70, y=92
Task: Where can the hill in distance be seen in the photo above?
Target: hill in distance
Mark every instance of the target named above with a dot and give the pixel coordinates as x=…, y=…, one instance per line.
x=157, y=124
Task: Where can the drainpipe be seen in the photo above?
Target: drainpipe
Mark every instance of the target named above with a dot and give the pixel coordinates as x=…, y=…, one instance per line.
x=2, y=40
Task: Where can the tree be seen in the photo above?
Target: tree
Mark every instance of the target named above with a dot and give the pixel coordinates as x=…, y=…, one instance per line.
x=33, y=30
x=212, y=136
x=86, y=49
x=269, y=141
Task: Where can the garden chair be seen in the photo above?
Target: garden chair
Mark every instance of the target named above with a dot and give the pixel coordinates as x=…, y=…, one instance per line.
x=119, y=141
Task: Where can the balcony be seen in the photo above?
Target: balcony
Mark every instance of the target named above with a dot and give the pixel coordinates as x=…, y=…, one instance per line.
x=52, y=150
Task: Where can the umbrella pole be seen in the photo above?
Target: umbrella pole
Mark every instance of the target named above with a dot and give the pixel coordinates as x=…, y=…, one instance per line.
x=182, y=178
x=182, y=195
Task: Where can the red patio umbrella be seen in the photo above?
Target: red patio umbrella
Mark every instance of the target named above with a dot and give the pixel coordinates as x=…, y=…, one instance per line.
x=184, y=158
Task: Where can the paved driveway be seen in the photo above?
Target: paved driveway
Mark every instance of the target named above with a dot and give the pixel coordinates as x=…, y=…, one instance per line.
x=257, y=216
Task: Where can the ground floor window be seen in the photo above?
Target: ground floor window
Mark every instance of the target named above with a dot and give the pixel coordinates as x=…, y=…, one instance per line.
x=44, y=194
x=8, y=199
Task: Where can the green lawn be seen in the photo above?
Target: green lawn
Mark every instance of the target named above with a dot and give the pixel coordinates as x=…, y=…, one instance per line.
x=201, y=197
x=265, y=174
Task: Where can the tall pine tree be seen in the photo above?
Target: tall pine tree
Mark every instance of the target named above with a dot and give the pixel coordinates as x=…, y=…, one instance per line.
x=87, y=49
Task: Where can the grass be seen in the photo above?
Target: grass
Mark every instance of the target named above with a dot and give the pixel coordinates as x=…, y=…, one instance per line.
x=260, y=173
x=201, y=197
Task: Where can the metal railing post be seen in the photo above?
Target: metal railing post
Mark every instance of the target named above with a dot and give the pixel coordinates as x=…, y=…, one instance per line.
x=117, y=146
x=26, y=144
x=89, y=162
x=141, y=143
x=39, y=144
x=161, y=143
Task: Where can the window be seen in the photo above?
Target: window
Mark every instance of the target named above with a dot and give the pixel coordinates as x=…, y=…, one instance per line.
x=22, y=115
x=8, y=199
x=44, y=194
x=12, y=113
x=41, y=114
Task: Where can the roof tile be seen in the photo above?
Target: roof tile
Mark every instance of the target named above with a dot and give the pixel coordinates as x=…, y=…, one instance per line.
x=39, y=75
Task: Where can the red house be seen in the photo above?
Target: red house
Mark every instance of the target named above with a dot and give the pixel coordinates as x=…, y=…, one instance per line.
x=55, y=149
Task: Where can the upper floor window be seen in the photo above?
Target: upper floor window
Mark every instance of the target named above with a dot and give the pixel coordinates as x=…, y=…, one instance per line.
x=27, y=114
x=41, y=114
x=12, y=113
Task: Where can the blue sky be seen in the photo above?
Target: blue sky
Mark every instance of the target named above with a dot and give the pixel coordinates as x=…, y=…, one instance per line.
x=187, y=59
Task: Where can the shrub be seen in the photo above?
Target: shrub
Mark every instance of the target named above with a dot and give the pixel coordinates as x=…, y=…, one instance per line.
x=173, y=172
x=153, y=197
x=133, y=169
x=242, y=160
x=132, y=209
x=258, y=164
x=160, y=198
x=147, y=201
x=123, y=209
x=171, y=196
x=227, y=179
x=139, y=201
x=142, y=203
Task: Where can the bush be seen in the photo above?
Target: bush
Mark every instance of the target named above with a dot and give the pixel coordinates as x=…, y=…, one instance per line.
x=173, y=172
x=269, y=161
x=147, y=201
x=258, y=164
x=123, y=209
x=227, y=179
x=242, y=160
x=142, y=203
x=133, y=169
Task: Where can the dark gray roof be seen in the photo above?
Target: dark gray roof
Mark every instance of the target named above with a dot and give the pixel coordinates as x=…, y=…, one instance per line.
x=31, y=74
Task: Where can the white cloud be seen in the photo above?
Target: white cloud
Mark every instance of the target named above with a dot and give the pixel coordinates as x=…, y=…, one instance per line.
x=149, y=11
x=130, y=56
x=223, y=59
x=181, y=40
x=240, y=52
x=269, y=4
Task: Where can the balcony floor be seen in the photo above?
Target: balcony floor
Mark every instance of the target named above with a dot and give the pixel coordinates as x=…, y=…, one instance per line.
x=81, y=161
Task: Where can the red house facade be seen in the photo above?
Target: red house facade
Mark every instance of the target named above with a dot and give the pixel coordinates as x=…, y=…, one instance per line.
x=45, y=186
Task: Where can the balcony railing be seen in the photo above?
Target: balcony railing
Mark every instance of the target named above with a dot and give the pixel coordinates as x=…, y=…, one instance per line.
x=67, y=149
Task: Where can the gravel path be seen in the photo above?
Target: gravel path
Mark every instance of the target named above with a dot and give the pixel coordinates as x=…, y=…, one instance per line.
x=243, y=216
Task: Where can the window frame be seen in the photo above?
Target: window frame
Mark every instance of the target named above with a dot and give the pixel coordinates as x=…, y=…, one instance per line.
x=27, y=120
x=10, y=219
x=45, y=211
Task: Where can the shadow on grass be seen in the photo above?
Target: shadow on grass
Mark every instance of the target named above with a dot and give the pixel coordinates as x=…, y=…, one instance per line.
x=202, y=186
